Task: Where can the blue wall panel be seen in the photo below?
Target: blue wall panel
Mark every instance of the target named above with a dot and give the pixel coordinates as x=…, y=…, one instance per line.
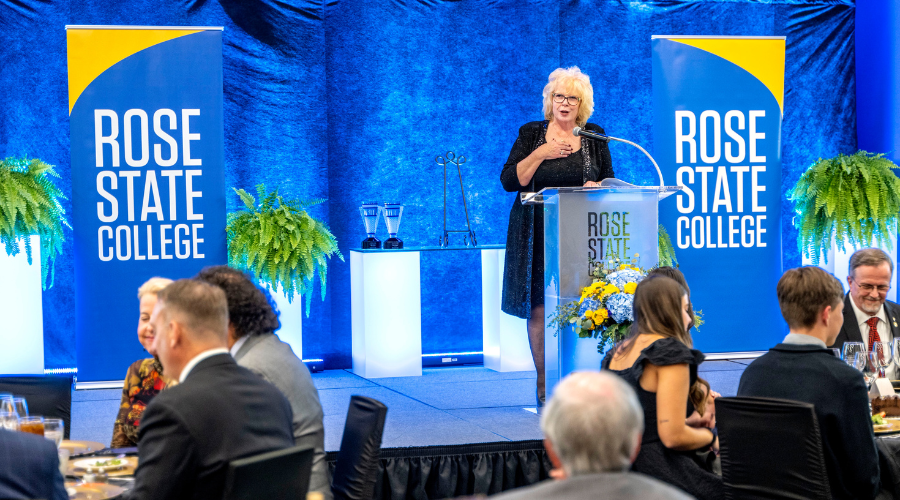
x=352, y=101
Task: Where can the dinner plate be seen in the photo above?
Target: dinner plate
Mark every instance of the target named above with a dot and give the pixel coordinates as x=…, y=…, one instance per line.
x=92, y=491
x=890, y=426
x=92, y=464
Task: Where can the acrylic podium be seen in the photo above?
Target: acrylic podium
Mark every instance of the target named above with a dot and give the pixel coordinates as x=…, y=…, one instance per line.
x=615, y=220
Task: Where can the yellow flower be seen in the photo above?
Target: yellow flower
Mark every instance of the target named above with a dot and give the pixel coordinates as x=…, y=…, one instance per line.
x=609, y=290
x=630, y=287
x=600, y=315
x=588, y=314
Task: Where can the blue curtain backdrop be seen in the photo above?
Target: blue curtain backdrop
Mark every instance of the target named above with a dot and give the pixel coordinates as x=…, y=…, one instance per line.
x=352, y=100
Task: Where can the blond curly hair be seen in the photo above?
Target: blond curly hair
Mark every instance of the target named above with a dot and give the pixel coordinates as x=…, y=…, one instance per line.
x=570, y=81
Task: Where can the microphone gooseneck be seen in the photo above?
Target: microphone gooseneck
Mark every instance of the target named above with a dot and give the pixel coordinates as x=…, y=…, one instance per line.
x=578, y=131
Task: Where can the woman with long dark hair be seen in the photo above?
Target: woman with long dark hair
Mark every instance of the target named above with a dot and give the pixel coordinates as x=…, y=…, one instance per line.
x=658, y=360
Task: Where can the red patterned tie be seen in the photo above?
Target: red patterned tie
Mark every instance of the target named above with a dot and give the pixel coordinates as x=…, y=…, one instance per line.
x=873, y=332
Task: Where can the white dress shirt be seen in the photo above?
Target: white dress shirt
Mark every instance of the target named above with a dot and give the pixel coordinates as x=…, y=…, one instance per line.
x=237, y=345
x=883, y=328
x=198, y=358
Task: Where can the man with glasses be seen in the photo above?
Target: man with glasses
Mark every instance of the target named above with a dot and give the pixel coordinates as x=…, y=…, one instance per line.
x=868, y=316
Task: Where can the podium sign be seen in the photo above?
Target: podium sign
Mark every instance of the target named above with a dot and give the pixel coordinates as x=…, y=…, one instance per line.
x=611, y=222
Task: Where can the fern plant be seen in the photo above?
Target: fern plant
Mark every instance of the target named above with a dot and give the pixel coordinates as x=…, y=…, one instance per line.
x=281, y=243
x=29, y=205
x=666, y=250
x=854, y=198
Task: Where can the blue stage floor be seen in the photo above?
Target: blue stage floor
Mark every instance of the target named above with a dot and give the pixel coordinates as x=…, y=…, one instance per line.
x=445, y=406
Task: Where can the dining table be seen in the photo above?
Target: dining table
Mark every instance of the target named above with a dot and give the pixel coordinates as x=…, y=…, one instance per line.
x=94, y=472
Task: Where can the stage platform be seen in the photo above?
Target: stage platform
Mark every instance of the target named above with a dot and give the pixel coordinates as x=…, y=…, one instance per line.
x=445, y=406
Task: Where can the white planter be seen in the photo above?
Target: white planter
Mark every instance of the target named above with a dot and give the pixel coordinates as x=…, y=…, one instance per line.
x=839, y=265
x=22, y=333
x=291, y=317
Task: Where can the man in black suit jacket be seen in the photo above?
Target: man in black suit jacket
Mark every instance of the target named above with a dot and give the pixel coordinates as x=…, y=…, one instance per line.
x=29, y=467
x=869, y=281
x=217, y=413
x=802, y=369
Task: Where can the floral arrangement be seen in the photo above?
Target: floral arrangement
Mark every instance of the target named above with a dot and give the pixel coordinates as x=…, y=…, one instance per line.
x=605, y=309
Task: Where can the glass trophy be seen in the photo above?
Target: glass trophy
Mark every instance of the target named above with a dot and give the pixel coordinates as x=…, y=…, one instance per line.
x=370, y=212
x=392, y=214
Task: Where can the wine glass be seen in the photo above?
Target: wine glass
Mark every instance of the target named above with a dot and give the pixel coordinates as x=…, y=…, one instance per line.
x=883, y=356
x=860, y=361
x=851, y=348
x=9, y=420
x=54, y=430
x=6, y=403
x=20, y=406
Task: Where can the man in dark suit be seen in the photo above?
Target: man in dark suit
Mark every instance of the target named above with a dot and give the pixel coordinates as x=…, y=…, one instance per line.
x=592, y=432
x=29, y=467
x=803, y=369
x=868, y=315
x=252, y=322
x=217, y=413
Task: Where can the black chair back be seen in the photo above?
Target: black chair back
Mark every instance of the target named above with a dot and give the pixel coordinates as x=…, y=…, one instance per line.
x=276, y=475
x=48, y=396
x=771, y=449
x=356, y=468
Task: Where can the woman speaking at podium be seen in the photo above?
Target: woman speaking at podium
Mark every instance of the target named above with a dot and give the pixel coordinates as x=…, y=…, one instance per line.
x=546, y=154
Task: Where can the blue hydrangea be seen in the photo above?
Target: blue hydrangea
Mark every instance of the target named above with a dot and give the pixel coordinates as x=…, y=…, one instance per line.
x=619, y=278
x=620, y=306
x=588, y=304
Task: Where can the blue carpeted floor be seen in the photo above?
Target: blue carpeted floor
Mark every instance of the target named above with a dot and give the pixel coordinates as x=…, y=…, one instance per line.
x=452, y=405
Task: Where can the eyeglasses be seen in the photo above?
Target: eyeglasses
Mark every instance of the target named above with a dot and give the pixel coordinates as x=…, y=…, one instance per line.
x=868, y=288
x=568, y=99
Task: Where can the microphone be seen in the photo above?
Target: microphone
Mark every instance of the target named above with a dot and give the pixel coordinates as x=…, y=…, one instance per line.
x=578, y=131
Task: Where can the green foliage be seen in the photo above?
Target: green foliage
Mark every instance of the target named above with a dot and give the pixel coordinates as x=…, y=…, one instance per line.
x=281, y=243
x=613, y=335
x=853, y=198
x=29, y=205
x=666, y=250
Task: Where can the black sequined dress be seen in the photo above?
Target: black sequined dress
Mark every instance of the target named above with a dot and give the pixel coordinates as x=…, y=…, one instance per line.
x=523, y=273
x=678, y=468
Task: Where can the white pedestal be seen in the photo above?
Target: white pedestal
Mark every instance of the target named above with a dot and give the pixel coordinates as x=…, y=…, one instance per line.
x=839, y=265
x=505, y=337
x=291, y=317
x=386, y=311
x=22, y=333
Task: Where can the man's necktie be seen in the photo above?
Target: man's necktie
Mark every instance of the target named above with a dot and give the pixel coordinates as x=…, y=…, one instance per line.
x=873, y=332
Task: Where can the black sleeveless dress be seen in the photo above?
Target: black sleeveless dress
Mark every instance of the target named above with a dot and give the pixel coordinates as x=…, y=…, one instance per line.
x=677, y=468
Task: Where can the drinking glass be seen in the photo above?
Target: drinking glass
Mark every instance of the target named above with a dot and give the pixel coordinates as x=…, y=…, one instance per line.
x=21, y=406
x=9, y=420
x=32, y=425
x=6, y=404
x=851, y=348
x=860, y=361
x=54, y=430
x=882, y=356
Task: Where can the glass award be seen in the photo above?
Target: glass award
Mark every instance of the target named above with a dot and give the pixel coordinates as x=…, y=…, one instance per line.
x=370, y=212
x=392, y=214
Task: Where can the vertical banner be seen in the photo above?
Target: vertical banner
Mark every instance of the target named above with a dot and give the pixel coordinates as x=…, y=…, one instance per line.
x=148, y=188
x=717, y=111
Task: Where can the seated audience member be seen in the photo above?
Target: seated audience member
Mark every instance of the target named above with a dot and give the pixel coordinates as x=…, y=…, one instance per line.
x=868, y=316
x=29, y=467
x=252, y=322
x=217, y=413
x=592, y=432
x=658, y=362
x=708, y=419
x=144, y=378
x=803, y=369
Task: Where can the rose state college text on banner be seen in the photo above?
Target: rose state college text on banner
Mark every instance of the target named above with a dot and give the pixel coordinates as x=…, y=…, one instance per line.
x=148, y=188
x=717, y=111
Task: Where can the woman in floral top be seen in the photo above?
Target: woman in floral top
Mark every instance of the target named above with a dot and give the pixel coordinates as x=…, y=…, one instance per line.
x=144, y=378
